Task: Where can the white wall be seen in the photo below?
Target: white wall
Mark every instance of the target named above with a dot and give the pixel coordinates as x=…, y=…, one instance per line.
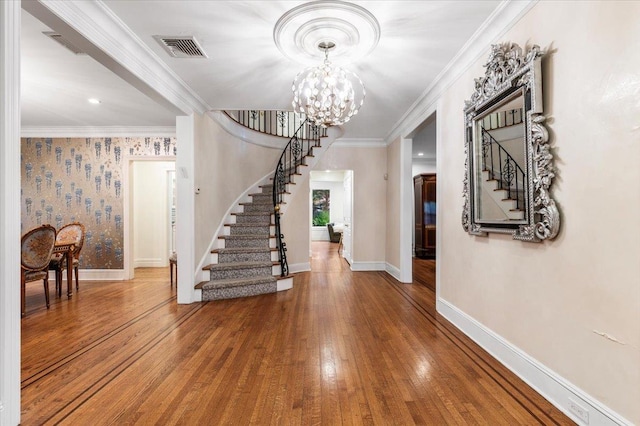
x=151, y=213
x=571, y=305
x=423, y=166
x=369, y=200
x=296, y=230
x=225, y=167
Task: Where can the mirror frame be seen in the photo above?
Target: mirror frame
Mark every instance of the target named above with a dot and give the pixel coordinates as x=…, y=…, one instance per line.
x=508, y=71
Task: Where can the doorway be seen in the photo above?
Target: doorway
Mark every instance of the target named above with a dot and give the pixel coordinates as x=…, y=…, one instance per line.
x=331, y=202
x=151, y=223
x=424, y=223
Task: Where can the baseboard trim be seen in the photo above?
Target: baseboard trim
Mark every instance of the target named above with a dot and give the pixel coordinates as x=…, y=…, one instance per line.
x=149, y=263
x=94, y=275
x=392, y=270
x=546, y=382
x=368, y=266
x=299, y=267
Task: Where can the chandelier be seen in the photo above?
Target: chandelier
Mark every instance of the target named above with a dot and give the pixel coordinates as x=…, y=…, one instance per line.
x=326, y=93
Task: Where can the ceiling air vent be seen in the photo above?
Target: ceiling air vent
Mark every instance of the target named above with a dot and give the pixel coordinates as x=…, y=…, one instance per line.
x=63, y=41
x=181, y=46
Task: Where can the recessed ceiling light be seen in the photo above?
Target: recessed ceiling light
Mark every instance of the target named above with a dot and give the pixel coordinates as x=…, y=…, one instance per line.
x=420, y=154
x=327, y=171
x=94, y=101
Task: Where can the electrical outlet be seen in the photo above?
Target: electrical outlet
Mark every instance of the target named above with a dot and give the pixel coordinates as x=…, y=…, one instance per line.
x=580, y=412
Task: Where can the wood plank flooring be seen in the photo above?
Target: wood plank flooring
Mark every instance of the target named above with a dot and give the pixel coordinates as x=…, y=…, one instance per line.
x=339, y=348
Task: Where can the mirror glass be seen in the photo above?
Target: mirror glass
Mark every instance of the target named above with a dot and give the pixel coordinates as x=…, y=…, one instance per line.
x=509, y=166
x=500, y=163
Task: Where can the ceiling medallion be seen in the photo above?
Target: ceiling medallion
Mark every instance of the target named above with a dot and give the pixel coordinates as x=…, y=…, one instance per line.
x=327, y=94
x=353, y=29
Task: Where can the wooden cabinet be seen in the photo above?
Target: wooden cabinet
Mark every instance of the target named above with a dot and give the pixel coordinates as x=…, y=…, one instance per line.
x=424, y=187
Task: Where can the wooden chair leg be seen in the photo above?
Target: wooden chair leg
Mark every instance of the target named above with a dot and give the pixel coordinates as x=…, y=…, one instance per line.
x=77, y=284
x=46, y=291
x=59, y=282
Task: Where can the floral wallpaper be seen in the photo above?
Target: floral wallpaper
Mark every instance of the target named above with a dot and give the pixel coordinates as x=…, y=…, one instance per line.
x=80, y=180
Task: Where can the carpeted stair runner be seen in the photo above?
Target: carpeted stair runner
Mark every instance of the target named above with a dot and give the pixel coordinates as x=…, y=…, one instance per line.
x=245, y=265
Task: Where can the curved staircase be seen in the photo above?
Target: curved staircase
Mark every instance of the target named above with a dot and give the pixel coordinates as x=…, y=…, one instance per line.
x=244, y=263
x=251, y=254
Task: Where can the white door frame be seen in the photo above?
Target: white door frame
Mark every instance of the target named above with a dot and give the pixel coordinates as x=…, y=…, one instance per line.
x=10, y=212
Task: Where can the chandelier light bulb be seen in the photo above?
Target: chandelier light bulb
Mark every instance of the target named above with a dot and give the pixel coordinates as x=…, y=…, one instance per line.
x=326, y=94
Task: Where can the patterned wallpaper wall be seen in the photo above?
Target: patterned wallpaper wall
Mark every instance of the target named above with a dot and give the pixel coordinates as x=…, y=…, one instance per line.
x=81, y=180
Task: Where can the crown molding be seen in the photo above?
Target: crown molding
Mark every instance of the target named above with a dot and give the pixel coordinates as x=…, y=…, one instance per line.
x=95, y=29
x=507, y=14
x=360, y=143
x=88, y=131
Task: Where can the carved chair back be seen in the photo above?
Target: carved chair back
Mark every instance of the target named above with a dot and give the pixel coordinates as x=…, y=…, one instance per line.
x=37, y=247
x=72, y=232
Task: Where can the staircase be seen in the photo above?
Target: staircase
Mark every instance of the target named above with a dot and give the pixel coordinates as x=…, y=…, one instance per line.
x=246, y=261
x=251, y=254
x=507, y=201
x=502, y=178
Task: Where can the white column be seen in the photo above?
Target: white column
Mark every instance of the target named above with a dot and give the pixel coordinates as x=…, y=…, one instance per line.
x=406, y=211
x=10, y=212
x=185, y=209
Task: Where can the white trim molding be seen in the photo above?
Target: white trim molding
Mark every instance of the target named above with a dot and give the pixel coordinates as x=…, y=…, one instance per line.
x=392, y=270
x=246, y=134
x=294, y=268
x=97, y=132
x=94, y=28
x=502, y=18
x=360, y=143
x=10, y=212
x=368, y=266
x=546, y=382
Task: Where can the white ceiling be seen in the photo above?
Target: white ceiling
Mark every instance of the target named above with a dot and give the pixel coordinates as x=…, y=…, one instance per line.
x=244, y=68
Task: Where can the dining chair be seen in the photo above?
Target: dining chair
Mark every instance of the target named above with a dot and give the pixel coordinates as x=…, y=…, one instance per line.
x=69, y=232
x=36, y=247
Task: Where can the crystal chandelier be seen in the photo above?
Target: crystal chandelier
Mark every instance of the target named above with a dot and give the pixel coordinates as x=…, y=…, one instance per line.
x=326, y=94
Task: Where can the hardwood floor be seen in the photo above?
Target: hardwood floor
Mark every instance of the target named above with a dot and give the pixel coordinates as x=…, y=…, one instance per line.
x=339, y=348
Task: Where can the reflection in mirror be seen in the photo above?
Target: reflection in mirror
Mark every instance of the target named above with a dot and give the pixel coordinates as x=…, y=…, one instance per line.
x=499, y=162
x=509, y=166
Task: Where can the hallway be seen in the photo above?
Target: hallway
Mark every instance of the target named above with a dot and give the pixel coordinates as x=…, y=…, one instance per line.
x=339, y=348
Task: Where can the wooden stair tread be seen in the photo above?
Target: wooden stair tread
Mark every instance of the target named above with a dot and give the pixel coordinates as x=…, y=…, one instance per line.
x=238, y=282
x=249, y=225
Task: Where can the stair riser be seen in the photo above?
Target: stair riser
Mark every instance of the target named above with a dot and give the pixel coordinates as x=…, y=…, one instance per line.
x=258, y=207
x=265, y=218
x=254, y=242
x=243, y=291
x=244, y=257
x=262, y=198
x=250, y=230
x=241, y=273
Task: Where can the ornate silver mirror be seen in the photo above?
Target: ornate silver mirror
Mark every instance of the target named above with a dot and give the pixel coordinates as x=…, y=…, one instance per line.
x=509, y=167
